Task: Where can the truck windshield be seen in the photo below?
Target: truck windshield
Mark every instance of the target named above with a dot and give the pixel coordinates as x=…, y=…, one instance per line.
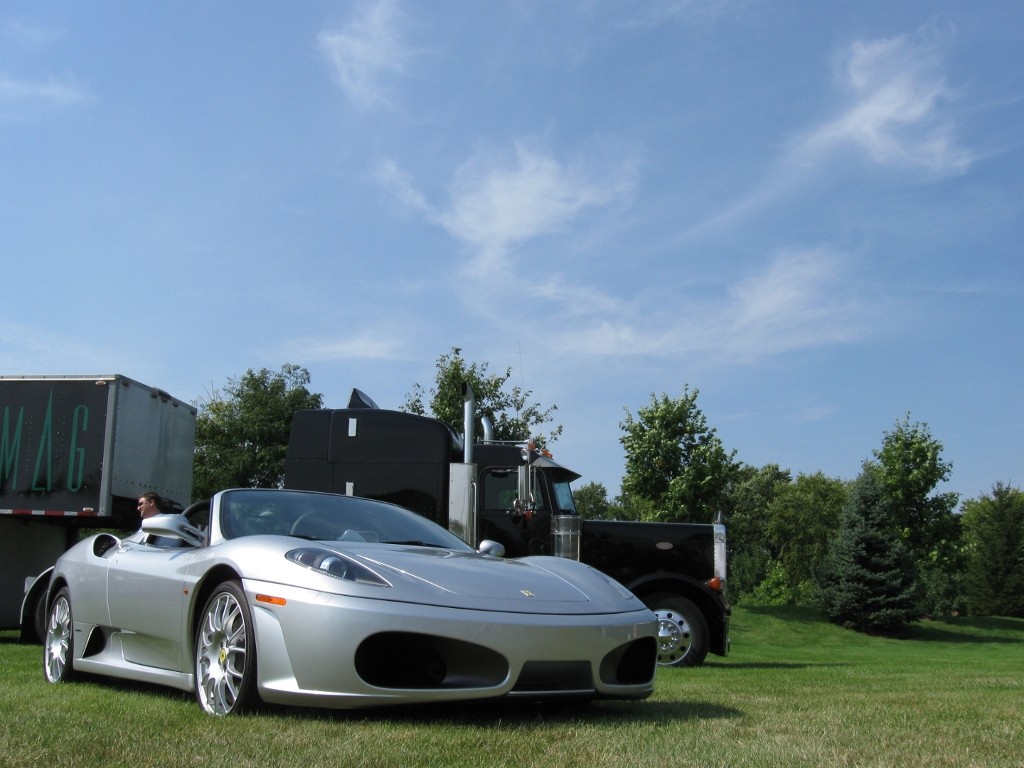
x=563, y=498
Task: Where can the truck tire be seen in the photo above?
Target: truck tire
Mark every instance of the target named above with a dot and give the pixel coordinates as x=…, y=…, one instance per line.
x=682, y=630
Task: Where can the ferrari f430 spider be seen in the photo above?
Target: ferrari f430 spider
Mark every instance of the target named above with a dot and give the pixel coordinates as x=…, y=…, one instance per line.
x=314, y=599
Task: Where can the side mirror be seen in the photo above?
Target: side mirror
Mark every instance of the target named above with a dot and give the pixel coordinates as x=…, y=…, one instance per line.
x=174, y=526
x=492, y=548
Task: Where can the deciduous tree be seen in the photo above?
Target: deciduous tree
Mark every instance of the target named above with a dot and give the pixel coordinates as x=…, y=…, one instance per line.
x=242, y=430
x=911, y=468
x=592, y=502
x=512, y=414
x=675, y=461
x=751, y=550
x=803, y=518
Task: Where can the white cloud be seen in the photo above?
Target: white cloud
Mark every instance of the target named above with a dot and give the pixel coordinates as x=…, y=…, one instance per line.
x=498, y=202
x=29, y=35
x=366, y=53
x=25, y=350
x=644, y=15
x=572, y=296
x=401, y=184
x=366, y=345
x=54, y=91
x=501, y=200
x=795, y=302
x=815, y=413
x=896, y=112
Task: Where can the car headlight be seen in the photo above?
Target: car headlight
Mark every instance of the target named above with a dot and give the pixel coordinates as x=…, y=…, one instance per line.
x=333, y=564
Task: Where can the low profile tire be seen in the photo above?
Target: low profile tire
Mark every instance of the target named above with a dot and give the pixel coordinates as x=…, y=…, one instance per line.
x=59, y=640
x=39, y=618
x=226, y=653
x=682, y=631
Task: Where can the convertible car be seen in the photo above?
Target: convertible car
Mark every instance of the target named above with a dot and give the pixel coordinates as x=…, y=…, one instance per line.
x=314, y=599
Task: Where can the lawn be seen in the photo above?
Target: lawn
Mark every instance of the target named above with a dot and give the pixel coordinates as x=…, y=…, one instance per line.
x=795, y=691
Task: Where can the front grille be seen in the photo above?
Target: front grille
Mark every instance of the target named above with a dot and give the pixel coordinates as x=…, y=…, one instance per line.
x=554, y=677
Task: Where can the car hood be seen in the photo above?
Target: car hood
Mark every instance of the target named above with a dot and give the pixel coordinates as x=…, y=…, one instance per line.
x=469, y=580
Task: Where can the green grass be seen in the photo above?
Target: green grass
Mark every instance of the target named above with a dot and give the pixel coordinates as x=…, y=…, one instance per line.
x=796, y=691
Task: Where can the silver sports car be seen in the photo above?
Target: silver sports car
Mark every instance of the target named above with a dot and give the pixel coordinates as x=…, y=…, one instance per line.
x=293, y=597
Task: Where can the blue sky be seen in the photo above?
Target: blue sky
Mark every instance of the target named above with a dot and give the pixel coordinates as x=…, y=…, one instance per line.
x=811, y=212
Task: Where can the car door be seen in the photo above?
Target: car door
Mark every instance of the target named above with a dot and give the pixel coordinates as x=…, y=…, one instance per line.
x=146, y=599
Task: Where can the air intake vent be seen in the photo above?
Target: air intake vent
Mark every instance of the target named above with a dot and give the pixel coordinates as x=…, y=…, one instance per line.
x=554, y=677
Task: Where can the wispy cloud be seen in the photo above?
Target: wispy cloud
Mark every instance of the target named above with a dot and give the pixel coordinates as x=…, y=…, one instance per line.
x=499, y=200
x=896, y=110
x=401, y=185
x=29, y=35
x=367, y=53
x=53, y=91
x=796, y=301
x=644, y=15
x=364, y=345
x=25, y=350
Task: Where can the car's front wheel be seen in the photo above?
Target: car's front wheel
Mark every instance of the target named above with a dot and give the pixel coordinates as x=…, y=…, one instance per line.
x=226, y=653
x=58, y=643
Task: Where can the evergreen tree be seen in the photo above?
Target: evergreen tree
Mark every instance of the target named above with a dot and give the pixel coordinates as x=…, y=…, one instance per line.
x=994, y=533
x=867, y=578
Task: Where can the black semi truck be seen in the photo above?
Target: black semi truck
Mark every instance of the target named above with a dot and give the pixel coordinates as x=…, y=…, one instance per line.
x=519, y=497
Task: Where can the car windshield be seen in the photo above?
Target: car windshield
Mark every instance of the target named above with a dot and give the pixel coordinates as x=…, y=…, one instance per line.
x=327, y=517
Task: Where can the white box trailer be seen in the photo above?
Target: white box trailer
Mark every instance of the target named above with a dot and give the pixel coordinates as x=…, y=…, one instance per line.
x=78, y=451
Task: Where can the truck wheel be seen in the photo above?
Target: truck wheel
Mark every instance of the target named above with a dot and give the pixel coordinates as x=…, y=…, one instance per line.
x=58, y=645
x=226, y=653
x=682, y=630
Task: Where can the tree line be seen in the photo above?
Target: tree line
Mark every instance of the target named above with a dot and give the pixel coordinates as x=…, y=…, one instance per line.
x=873, y=553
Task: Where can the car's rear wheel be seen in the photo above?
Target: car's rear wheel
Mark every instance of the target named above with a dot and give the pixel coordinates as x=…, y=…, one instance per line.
x=58, y=644
x=682, y=631
x=226, y=653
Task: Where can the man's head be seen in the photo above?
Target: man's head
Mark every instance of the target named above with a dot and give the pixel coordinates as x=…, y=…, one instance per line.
x=150, y=504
